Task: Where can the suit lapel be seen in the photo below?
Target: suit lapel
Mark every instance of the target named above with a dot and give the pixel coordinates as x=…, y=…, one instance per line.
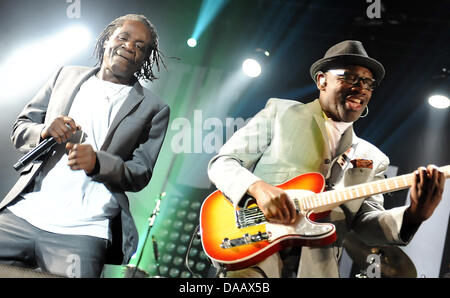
x=316, y=110
x=347, y=136
x=134, y=98
x=346, y=141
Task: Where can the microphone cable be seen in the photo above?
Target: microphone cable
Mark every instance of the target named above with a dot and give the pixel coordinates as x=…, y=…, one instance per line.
x=186, y=260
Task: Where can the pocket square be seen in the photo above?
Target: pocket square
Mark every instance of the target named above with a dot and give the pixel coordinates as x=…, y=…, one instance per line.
x=362, y=163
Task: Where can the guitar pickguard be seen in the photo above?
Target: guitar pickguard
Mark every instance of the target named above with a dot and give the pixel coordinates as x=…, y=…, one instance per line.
x=303, y=227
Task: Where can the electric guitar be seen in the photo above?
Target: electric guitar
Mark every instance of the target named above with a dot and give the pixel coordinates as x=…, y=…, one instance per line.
x=239, y=238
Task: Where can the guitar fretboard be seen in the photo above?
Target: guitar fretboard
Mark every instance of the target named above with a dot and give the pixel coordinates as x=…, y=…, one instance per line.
x=336, y=197
x=328, y=200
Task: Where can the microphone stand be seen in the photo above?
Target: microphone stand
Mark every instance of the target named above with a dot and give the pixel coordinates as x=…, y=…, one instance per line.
x=147, y=233
x=152, y=221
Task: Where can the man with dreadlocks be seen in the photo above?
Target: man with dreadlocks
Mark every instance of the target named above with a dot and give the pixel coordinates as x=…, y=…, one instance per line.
x=68, y=212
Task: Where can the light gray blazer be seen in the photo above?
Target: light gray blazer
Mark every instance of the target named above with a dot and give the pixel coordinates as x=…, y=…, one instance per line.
x=126, y=158
x=288, y=138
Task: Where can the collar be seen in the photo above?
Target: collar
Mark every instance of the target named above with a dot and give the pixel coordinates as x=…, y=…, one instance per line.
x=339, y=125
x=348, y=135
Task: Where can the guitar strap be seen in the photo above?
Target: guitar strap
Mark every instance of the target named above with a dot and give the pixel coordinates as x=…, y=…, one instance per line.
x=345, y=158
x=340, y=165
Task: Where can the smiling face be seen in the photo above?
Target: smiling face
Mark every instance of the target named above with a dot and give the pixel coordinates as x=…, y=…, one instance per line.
x=340, y=100
x=124, y=52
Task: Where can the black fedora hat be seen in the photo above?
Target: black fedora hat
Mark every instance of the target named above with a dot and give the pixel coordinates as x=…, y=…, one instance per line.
x=348, y=52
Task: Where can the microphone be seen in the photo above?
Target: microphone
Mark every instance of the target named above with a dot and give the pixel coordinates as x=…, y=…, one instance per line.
x=31, y=156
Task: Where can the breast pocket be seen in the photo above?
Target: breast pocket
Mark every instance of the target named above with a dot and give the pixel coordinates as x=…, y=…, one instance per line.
x=357, y=176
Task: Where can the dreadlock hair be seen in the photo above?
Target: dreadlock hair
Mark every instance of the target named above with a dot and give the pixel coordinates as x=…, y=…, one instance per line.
x=153, y=56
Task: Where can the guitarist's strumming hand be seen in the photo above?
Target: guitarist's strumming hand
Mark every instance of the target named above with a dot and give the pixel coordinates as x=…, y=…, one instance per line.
x=273, y=202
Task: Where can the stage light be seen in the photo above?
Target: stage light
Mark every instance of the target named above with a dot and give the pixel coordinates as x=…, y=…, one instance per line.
x=51, y=51
x=255, y=62
x=440, y=89
x=41, y=57
x=76, y=38
x=439, y=101
x=192, y=42
x=251, y=68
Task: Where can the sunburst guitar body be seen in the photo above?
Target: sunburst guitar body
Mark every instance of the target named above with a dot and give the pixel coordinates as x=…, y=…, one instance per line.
x=240, y=238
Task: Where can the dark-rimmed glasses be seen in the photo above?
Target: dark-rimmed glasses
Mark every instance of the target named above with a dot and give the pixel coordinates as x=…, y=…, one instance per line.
x=353, y=79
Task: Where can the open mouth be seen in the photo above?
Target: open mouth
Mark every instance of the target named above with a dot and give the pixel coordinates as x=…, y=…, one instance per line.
x=354, y=103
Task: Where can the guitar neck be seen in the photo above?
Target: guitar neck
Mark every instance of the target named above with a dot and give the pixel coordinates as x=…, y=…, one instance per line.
x=329, y=199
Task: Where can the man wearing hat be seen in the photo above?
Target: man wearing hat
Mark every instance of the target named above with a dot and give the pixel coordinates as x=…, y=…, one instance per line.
x=288, y=138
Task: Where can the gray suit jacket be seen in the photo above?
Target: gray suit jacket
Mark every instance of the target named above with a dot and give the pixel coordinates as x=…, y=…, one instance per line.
x=126, y=158
x=288, y=138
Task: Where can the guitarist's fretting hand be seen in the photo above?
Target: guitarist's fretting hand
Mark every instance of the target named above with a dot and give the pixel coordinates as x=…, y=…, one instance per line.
x=426, y=193
x=273, y=202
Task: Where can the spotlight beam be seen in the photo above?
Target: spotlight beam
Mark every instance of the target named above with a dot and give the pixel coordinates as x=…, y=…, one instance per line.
x=208, y=11
x=41, y=58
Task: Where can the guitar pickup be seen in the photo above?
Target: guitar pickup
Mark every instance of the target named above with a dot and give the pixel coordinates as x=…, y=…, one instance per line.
x=245, y=239
x=249, y=217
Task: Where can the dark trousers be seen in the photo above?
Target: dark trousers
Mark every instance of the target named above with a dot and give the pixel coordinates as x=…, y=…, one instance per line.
x=24, y=245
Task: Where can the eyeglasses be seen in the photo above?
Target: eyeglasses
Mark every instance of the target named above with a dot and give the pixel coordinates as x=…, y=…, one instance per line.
x=354, y=79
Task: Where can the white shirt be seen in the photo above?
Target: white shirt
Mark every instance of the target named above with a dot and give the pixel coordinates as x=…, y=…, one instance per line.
x=69, y=202
x=335, y=131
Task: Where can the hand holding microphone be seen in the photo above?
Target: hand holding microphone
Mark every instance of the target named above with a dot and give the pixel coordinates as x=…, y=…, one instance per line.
x=59, y=131
x=80, y=156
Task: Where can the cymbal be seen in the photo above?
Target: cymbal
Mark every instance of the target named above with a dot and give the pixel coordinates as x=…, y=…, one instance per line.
x=393, y=261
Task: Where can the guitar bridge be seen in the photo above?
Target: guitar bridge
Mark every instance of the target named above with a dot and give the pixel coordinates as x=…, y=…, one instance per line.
x=246, y=239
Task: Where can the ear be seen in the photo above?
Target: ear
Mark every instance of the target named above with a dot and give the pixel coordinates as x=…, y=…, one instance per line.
x=321, y=81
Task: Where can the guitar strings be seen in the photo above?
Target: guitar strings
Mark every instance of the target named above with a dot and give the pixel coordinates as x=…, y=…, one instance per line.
x=250, y=215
